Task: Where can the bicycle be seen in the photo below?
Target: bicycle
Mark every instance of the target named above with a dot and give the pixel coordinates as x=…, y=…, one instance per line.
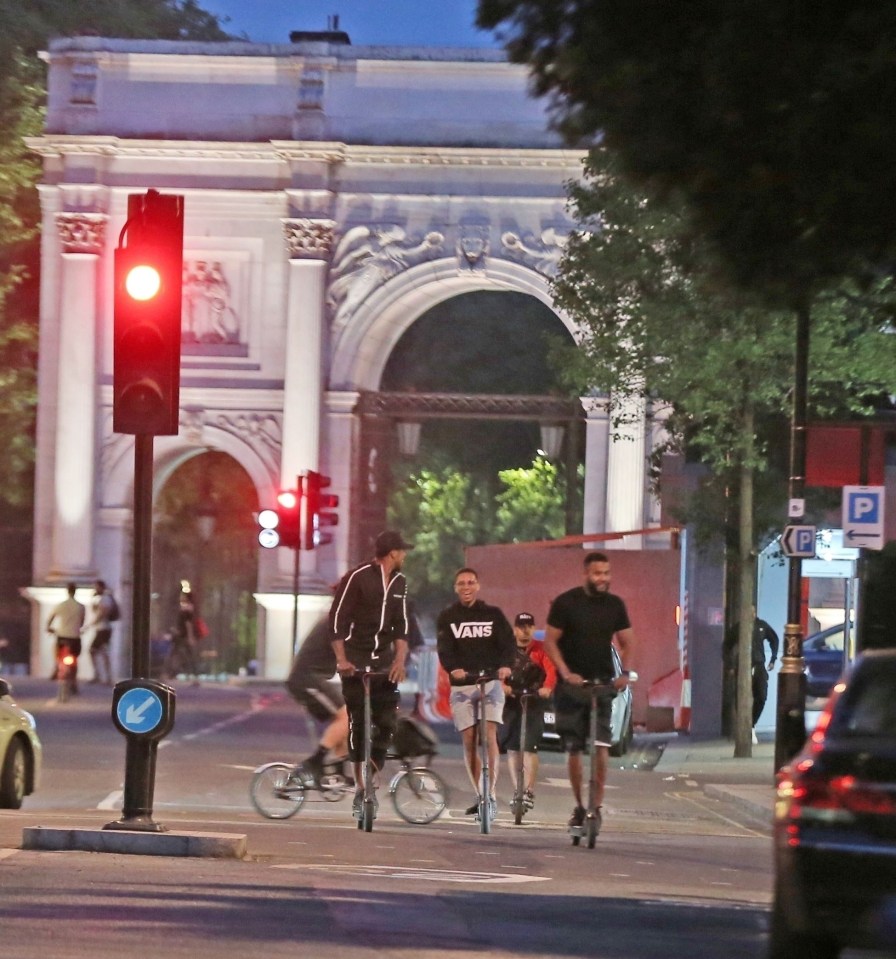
x=591, y=825
x=278, y=790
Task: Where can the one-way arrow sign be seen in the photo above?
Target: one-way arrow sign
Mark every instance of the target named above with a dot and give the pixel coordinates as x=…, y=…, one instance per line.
x=798, y=541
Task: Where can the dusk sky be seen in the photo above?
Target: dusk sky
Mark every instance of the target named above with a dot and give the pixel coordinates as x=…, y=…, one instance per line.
x=398, y=22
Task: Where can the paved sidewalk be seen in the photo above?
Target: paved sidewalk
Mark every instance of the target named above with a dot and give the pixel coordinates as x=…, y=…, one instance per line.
x=747, y=782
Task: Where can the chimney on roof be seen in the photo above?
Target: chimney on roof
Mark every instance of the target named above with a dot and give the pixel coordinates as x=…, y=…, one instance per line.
x=331, y=35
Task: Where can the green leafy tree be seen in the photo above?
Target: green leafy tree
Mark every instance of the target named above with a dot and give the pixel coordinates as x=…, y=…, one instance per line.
x=661, y=320
x=442, y=509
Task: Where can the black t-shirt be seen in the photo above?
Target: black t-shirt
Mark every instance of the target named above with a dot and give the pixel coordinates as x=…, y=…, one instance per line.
x=588, y=622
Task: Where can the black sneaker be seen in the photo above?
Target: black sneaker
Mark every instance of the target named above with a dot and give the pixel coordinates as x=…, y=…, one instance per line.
x=473, y=810
x=577, y=818
x=314, y=766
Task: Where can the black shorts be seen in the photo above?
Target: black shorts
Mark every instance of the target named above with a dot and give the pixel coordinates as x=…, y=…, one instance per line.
x=509, y=733
x=101, y=639
x=72, y=645
x=321, y=696
x=384, y=715
x=573, y=708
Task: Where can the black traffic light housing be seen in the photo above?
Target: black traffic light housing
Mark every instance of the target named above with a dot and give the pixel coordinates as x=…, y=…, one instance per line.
x=147, y=304
x=316, y=510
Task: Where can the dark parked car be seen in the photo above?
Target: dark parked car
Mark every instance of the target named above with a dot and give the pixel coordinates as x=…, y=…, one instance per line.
x=621, y=723
x=835, y=824
x=824, y=656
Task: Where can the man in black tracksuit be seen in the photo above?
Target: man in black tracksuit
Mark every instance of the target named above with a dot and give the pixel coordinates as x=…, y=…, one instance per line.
x=472, y=637
x=369, y=621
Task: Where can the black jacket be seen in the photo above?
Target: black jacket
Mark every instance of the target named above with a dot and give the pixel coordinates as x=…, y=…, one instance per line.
x=368, y=615
x=474, y=638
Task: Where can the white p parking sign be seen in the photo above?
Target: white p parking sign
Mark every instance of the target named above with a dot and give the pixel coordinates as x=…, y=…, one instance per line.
x=863, y=516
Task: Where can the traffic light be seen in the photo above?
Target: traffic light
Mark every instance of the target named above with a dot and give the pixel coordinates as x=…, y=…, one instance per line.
x=315, y=512
x=280, y=526
x=148, y=272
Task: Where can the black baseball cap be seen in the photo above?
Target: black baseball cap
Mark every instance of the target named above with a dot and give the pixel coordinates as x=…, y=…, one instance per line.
x=524, y=619
x=389, y=540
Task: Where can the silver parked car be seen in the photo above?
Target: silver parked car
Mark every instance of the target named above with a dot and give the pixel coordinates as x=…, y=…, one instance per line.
x=20, y=751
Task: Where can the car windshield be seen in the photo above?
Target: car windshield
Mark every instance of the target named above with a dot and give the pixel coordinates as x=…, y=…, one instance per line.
x=832, y=641
x=868, y=705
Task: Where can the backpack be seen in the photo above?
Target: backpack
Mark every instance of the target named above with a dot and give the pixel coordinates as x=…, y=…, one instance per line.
x=526, y=674
x=114, y=610
x=413, y=738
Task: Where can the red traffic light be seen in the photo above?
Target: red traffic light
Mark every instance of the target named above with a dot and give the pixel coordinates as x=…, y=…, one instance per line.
x=147, y=305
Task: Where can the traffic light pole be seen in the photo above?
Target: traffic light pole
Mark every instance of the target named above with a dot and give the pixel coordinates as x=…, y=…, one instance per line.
x=140, y=751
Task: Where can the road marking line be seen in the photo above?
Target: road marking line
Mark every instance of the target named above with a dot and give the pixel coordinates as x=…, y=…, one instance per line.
x=414, y=873
x=113, y=800
x=6, y=853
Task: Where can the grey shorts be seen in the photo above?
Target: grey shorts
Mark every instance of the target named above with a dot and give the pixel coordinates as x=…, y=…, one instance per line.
x=465, y=699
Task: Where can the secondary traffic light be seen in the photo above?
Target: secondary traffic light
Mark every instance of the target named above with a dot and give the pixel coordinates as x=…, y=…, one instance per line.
x=316, y=511
x=147, y=305
x=280, y=526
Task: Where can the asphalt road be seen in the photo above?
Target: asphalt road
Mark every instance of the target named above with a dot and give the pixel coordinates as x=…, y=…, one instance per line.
x=675, y=872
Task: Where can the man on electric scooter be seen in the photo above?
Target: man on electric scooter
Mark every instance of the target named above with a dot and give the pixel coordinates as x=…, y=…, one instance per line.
x=532, y=671
x=369, y=624
x=581, y=627
x=473, y=637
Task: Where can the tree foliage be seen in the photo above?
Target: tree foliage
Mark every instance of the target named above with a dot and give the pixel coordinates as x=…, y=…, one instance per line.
x=774, y=120
x=442, y=509
x=27, y=29
x=660, y=321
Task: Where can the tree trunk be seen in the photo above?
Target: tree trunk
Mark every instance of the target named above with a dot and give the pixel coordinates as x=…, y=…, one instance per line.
x=743, y=725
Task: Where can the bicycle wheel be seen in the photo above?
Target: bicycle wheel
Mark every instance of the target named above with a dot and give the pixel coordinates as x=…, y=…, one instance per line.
x=485, y=822
x=518, y=809
x=419, y=795
x=274, y=793
x=368, y=814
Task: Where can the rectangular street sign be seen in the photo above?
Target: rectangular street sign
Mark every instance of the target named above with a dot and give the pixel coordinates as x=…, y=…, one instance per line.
x=799, y=541
x=863, y=516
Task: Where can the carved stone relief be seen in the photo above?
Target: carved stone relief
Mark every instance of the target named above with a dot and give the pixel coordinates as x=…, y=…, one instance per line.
x=209, y=309
x=308, y=239
x=81, y=232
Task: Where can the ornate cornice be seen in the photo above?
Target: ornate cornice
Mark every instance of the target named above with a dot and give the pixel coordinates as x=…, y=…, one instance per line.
x=81, y=232
x=481, y=406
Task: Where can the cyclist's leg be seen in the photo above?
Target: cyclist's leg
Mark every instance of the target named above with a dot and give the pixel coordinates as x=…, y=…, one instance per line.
x=493, y=757
x=494, y=712
x=471, y=755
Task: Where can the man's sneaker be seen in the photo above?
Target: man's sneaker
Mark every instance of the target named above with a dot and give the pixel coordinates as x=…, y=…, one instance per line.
x=314, y=766
x=472, y=810
x=492, y=808
x=577, y=818
x=754, y=737
x=528, y=799
x=358, y=804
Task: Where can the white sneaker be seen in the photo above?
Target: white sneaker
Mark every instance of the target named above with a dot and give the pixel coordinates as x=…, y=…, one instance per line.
x=755, y=738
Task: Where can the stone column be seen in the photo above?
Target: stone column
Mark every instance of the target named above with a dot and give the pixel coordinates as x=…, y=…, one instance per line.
x=81, y=236
x=627, y=473
x=597, y=432
x=308, y=243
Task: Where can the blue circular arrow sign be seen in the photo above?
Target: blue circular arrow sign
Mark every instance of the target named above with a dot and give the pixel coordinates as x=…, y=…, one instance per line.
x=139, y=710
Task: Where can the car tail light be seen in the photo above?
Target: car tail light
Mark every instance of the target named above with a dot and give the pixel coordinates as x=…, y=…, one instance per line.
x=818, y=798
x=68, y=660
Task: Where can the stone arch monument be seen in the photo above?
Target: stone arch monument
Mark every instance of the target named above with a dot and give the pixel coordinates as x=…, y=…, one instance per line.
x=333, y=194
